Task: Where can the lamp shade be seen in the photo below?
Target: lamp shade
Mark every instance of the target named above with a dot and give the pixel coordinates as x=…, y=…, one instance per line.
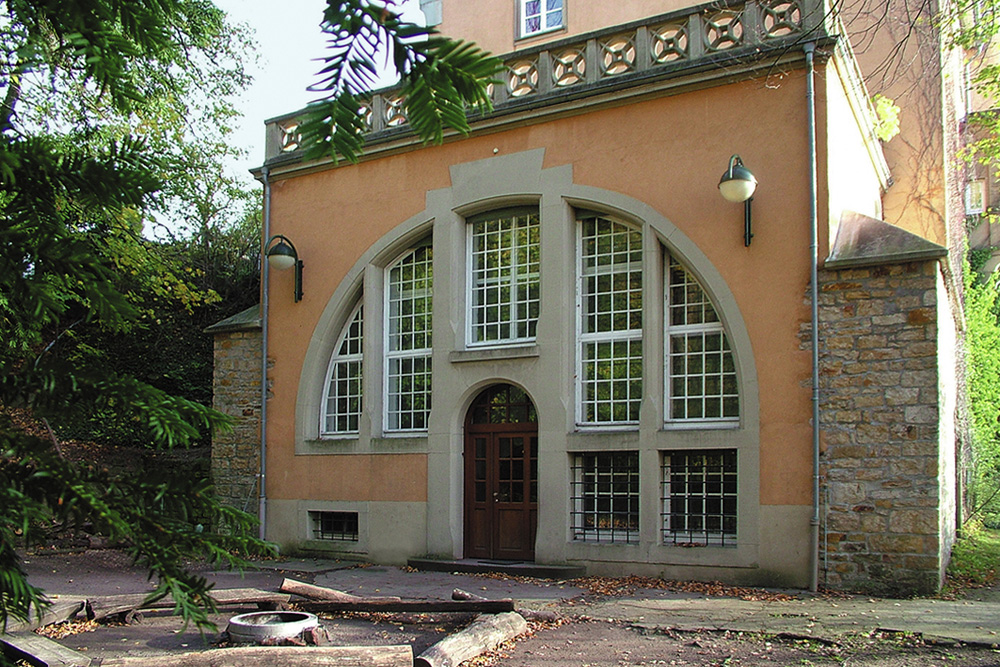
x=737, y=183
x=281, y=256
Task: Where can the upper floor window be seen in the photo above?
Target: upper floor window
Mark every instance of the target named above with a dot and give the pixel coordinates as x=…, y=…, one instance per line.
x=409, y=291
x=609, y=363
x=701, y=372
x=504, y=268
x=538, y=16
x=342, y=403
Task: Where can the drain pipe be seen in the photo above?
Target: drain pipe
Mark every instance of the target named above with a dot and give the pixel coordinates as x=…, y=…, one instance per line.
x=262, y=477
x=810, y=49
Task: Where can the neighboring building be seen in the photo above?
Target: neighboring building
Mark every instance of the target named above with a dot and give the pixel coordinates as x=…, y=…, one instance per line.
x=549, y=341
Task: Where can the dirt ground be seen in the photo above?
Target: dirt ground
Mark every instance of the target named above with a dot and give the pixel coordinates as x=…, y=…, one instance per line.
x=578, y=641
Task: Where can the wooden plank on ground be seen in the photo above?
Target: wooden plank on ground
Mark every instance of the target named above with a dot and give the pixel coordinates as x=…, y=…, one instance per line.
x=320, y=593
x=62, y=609
x=40, y=650
x=459, y=606
x=110, y=605
x=285, y=656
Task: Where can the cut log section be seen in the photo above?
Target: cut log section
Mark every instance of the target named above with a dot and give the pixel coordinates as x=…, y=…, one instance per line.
x=312, y=592
x=391, y=606
x=528, y=614
x=286, y=656
x=111, y=605
x=484, y=634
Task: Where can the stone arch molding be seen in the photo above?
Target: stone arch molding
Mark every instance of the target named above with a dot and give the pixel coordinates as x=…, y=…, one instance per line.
x=478, y=186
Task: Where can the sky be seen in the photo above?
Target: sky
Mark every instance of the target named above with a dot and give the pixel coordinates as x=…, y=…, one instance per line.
x=289, y=42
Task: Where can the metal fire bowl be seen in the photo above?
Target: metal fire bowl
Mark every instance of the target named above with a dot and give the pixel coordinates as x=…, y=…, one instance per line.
x=255, y=627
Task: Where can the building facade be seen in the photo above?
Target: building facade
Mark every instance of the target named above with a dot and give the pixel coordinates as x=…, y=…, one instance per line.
x=554, y=341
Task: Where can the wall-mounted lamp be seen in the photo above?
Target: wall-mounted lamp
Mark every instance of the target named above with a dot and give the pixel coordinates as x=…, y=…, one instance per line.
x=738, y=185
x=282, y=255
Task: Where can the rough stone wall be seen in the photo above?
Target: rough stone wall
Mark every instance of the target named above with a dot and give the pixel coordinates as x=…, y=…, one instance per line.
x=880, y=418
x=236, y=392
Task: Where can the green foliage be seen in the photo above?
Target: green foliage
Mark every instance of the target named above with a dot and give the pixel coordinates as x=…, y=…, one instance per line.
x=982, y=316
x=82, y=79
x=888, y=117
x=441, y=77
x=975, y=559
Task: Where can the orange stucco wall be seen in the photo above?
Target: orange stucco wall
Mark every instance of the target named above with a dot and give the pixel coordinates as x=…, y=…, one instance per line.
x=492, y=23
x=898, y=51
x=667, y=152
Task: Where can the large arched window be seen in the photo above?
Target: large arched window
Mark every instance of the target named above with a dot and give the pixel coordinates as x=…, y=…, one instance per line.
x=609, y=362
x=408, y=309
x=504, y=262
x=701, y=372
x=342, y=402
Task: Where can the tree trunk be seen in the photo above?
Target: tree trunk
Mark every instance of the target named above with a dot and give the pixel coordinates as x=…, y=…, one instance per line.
x=484, y=634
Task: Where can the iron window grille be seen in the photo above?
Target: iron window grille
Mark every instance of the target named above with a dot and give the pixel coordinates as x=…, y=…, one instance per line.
x=344, y=380
x=605, y=497
x=610, y=322
x=699, y=493
x=701, y=382
x=335, y=526
x=504, y=276
x=409, y=292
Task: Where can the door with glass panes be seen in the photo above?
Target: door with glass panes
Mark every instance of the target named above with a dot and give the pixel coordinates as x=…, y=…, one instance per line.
x=501, y=475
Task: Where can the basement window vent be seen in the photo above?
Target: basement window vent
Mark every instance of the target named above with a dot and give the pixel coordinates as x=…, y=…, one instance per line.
x=336, y=526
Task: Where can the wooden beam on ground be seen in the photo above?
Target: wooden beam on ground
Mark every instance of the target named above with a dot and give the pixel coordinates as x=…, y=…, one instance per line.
x=60, y=610
x=390, y=606
x=484, y=634
x=528, y=614
x=312, y=592
x=111, y=605
x=285, y=656
x=39, y=650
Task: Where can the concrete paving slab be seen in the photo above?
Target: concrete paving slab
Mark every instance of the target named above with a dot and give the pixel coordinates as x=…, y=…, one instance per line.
x=823, y=618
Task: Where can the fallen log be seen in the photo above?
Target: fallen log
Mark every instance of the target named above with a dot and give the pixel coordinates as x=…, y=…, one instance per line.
x=268, y=656
x=312, y=592
x=484, y=634
x=390, y=606
x=528, y=614
x=111, y=605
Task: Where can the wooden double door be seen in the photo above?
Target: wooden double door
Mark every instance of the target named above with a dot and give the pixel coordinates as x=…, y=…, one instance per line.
x=501, y=475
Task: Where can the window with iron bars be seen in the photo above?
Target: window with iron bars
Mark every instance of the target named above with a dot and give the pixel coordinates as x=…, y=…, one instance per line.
x=605, y=497
x=699, y=497
x=337, y=526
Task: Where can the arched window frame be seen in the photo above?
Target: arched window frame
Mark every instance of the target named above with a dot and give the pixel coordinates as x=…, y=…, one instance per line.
x=701, y=387
x=408, y=311
x=344, y=388
x=615, y=345
x=504, y=261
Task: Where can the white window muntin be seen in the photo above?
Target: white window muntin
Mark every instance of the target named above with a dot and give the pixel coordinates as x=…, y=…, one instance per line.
x=700, y=382
x=609, y=322
x=975, y=197
x=503, y=277
x=408, y=313
x=540, y=16
x=344, y=379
